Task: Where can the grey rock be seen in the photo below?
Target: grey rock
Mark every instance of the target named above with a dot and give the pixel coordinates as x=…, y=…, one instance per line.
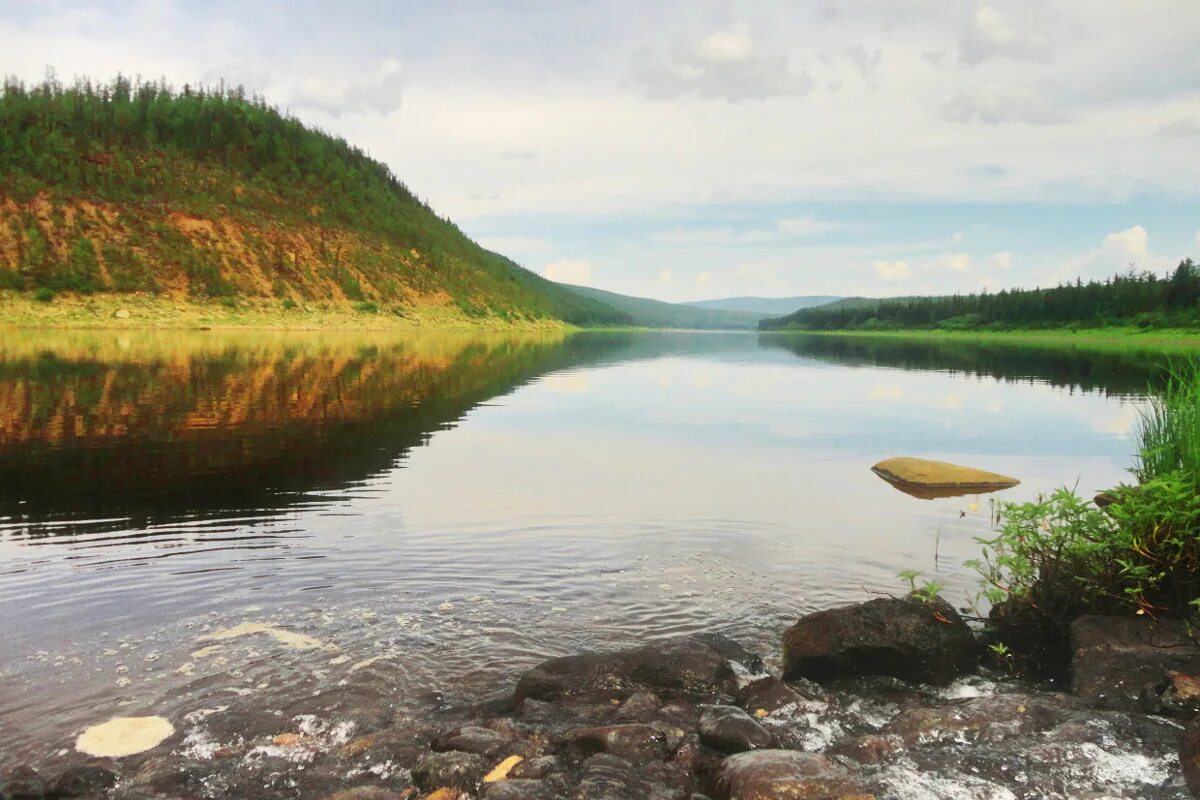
x=731, y=730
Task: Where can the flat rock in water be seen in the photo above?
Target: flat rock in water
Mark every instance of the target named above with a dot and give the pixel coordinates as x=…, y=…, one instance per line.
x=927, y=479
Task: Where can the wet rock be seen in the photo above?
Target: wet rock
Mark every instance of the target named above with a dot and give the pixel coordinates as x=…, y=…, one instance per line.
x=1117, y=661
x=22, y=783
x=525, y=789
x=536, y=767
x=82, y=780
x=1189, y=757
x=695, y=666
x=371, y=793
x=474, y=739
x=784, y=775
x=1177, y=695
x=868, y=749
x=640, y=706
x=731, y=730
x=606, y=777
x=634, y=742
x=167, y=775
x=983, y=719
x=453, y=770
x=903, y=638
x=767, y=695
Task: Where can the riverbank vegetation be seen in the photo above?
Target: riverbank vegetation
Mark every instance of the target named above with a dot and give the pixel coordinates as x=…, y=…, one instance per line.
x=1134, y=550
x=1137, y=299
x=207, y=193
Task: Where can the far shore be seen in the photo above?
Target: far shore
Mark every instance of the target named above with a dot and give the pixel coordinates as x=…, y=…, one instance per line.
x=1123, y=338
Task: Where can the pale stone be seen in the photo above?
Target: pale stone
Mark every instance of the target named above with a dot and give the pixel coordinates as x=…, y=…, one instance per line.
x=124, y=736
x=500, y=772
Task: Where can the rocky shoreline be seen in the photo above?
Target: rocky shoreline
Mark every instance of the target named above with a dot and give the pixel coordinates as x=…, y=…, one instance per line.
x=882, y=699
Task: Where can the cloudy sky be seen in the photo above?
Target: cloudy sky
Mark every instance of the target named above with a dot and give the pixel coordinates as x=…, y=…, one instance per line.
x=694, y=149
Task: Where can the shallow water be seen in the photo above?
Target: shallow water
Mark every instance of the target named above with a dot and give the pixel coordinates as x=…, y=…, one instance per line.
x=193, y=520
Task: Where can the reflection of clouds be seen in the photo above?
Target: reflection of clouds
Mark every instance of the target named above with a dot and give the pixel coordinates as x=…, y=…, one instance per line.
x=887, y=393
x=994, y=406
x=952, y=401
x=568, y=383
x=1123, y=423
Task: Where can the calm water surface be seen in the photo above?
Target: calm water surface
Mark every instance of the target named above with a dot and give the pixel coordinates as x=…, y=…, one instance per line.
x=202, y=521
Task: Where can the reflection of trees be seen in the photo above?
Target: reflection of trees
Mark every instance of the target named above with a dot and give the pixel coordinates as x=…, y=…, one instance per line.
x=157, y=430
x=1111, y=372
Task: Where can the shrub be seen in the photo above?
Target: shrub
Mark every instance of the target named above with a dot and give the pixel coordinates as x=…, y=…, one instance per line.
x=366, y=307
x=44, y=294
x=289, y=304
x=1168, y=429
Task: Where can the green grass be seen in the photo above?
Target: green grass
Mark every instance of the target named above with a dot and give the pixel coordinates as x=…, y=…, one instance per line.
x=1169, y=427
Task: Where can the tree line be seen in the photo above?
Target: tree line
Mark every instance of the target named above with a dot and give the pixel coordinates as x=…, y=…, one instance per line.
x=1137, y=298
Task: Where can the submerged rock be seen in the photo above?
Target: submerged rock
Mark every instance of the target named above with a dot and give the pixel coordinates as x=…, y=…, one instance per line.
x=450, y=770
x=785, y=775
x=22, y=783
x=692, y=666
x=1189, y=757
x=767, y=695
x=634, y=742
x=927, y=479
x=82, y=780
x=731, y=730
x=473, y=739
x=902, y=638
x=1124, y=663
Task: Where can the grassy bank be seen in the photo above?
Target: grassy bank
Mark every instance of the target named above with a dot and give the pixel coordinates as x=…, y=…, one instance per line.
x=123, y=311
x=1129, y=338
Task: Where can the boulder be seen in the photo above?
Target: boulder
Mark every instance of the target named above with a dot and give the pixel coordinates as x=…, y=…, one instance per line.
x=634, y=742
x=990, y=719
x=900, y=637
x=767, y=695
x=731, y=730
x=1124, y=663
x=927, y=479
x=473, y=739
x=692, y=666
x=784, y=775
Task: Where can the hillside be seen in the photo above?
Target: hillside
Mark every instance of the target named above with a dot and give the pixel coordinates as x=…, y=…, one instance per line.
x=1138, y=299
x=208, y=194
x=657, y=314
x=764, y=306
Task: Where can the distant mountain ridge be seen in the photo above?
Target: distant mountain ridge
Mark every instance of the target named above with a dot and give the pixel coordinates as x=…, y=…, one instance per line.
x=765, y=306
x=648, y=313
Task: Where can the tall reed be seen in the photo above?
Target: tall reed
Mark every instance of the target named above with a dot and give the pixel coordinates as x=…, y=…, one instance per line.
x=1168, y=430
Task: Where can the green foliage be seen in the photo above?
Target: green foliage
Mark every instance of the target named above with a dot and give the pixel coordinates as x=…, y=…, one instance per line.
x=44, y=294
x=927, y=592
x=367, y=307
x=1134, y=298
x=288, y=304
x=215, y=150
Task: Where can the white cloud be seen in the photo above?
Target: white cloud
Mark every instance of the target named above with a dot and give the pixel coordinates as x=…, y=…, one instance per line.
x=1117, y=253
x=379, y=92
x=959, y=262
x=806, y=226
x=1131, y=242
x=703, y=279
x=993, y=105
x=664, y=277
x=1002, y=260
x=991, y=35
x=1182, y=129
x=566, y=271
x=726, y=64
x=892, y=270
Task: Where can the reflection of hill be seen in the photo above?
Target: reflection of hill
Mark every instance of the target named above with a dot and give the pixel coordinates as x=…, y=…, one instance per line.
x=1117, y=373
x=156, y=427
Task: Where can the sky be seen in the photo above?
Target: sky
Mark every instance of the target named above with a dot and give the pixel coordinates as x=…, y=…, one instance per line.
x=697, y=149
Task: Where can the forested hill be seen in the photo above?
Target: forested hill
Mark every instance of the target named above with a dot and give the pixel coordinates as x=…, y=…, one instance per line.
x=1140, y=299
x=207, y=193
x=647, y=313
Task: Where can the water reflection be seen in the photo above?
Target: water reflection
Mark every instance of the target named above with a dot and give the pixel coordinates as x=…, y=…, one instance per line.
x=1119, y=373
